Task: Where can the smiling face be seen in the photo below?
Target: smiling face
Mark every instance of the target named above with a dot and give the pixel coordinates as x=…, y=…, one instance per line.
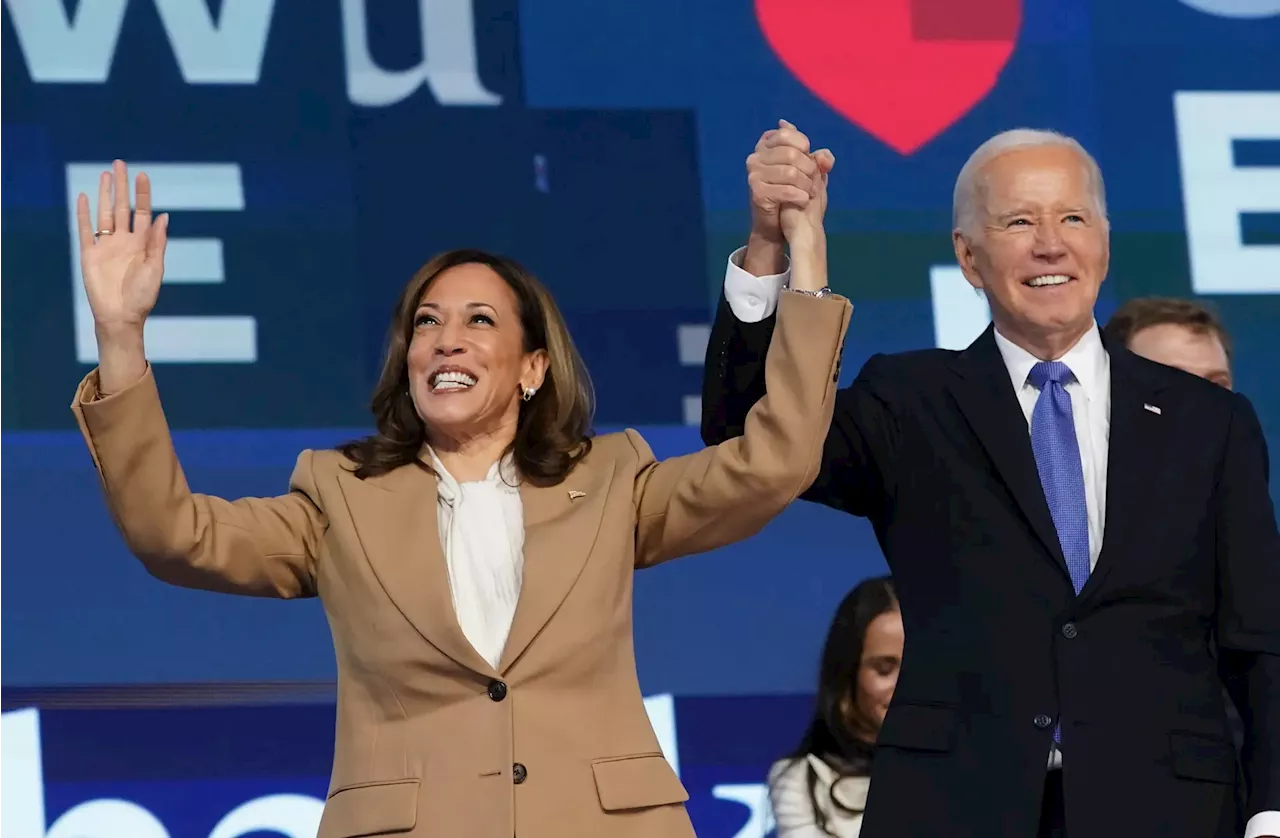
x=468, y=362
x=1038, y=246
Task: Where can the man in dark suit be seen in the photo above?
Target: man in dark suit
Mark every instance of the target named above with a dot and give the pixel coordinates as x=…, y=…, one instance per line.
x=1068, y=525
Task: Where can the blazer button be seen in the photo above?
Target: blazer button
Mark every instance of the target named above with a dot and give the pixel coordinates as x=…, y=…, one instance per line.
x=519, y=773
x=1042, y=721
x=1069, y=630
x=497, y=690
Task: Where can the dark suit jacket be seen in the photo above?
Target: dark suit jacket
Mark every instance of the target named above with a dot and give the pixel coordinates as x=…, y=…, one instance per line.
x=933, y=448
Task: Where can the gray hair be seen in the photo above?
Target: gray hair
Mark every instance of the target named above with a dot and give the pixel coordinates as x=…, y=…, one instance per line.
x=965, y=197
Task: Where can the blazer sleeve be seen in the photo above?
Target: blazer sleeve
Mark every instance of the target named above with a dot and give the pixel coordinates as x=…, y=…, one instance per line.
x=1248, y=568
x=728, y=492
x=855, y=474
x=253, y=546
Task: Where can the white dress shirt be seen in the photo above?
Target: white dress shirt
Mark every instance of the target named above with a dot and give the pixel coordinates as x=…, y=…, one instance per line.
x=752, y=299
x=482, y=534
x=793, y=807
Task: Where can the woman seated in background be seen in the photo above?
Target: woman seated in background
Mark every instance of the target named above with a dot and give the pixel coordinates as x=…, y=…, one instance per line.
x=475, y=554
x=821, y=789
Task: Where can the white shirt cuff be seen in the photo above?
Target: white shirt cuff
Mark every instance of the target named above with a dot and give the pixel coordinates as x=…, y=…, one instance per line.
x=752, y=298
x=1263, y=823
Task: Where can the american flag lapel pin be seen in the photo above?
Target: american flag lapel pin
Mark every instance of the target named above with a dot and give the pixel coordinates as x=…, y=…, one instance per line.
x=574, y=494
x=1151, y=408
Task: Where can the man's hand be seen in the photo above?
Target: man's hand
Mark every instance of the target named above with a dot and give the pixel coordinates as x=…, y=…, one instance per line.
x=781, y=170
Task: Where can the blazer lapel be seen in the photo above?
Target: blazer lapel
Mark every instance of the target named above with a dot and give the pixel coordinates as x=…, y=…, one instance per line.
x=395, y=519
x=560, y=526
x=990, y=405
x=1136, y=439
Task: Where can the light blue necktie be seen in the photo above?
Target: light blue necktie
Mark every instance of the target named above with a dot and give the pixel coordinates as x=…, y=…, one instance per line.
x=1057, y=452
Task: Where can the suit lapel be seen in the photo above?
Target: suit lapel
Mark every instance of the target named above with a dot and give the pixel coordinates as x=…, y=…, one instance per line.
x=987, y=399
x=560, y=526
x=395, y=519
x=1137, y=436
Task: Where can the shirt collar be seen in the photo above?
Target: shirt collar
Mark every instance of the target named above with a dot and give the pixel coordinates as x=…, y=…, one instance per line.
x=502, y=475
x=1087, y=359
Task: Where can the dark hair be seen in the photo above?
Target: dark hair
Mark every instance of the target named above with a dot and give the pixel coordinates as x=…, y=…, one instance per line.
x=554, y=427
x=1145, y=312
x=829, y=736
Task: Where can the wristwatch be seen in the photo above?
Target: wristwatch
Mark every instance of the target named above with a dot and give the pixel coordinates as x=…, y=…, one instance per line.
x=824, y=291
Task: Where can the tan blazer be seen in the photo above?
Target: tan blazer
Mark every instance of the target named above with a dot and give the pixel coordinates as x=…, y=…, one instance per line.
x=431, y=740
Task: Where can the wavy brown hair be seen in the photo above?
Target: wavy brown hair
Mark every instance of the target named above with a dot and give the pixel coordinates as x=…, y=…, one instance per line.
x=553, y=432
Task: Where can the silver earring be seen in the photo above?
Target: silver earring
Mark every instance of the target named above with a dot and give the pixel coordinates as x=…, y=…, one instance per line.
x=529, y=392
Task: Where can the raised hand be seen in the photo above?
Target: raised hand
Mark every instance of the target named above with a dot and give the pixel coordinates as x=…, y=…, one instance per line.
x=780, y=171
x=800, y=220
x=122, y=263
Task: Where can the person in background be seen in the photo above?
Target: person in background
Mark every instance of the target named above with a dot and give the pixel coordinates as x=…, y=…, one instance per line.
x=1177, y=333
x=820, y=790
x=475, y=553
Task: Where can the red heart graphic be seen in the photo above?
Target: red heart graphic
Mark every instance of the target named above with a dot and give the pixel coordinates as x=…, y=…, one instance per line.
x=903, y=70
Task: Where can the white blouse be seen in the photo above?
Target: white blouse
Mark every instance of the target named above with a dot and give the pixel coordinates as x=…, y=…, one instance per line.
x=793, y=807
x=482, y=535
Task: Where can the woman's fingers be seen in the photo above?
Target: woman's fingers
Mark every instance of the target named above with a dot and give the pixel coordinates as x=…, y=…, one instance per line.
x=157, y=237
x=120, y=185
x=142, y=213
x=114, y=213
x=104, y=202
x=83, y=225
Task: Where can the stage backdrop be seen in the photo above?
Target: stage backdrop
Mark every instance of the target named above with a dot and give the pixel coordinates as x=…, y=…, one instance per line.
x=314, y=154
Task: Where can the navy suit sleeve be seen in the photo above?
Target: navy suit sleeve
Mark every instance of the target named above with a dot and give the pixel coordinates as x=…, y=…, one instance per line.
x=1248, y=566
x=860, y=447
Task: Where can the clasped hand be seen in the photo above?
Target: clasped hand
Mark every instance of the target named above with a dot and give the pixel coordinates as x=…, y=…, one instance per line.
x=788, y=186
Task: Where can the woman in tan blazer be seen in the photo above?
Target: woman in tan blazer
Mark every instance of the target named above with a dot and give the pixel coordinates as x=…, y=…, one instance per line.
x=475, y=554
